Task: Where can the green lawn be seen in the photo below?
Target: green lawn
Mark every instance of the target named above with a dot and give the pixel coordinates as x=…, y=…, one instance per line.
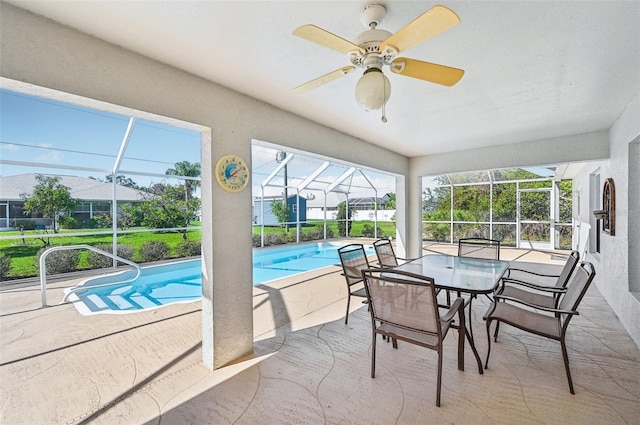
x=388, y=228
x=24, y=255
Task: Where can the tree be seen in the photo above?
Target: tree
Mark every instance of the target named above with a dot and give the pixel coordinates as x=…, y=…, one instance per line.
x=169, y=210
x=280, y=208
x=343, y=218
x=186, y=169
x=121, y=180
x=391, y=201
x=49, y=198
x=471, y=204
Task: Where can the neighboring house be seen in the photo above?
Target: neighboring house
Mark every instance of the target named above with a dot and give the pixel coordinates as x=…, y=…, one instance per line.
x=363, y=208
x=94, y=196
x=269, y=219
x=368, y=203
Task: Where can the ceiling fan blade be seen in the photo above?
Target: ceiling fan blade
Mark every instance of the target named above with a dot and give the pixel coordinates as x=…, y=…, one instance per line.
x=427, y=71
x=325, y=38
x=431, y=23
x=334, y=75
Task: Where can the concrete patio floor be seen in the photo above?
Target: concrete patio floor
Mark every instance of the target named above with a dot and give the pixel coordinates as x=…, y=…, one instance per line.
x=59, y=367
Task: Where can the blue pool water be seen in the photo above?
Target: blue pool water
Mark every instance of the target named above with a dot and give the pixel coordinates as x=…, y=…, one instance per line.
x=181, y=282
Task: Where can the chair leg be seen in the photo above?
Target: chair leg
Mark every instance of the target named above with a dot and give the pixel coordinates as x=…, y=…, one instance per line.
x=495, y=333
x=346, y=316
x=566, y=365
x=486, y=363
x=439, y=375
x=470, y=317
x=373, y=356
x=461, y=337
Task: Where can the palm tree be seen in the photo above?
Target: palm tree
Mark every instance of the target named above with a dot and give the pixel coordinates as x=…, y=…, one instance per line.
x=186, y=169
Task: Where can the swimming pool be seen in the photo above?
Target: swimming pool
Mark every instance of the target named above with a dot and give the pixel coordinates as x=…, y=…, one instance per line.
x=181, y=281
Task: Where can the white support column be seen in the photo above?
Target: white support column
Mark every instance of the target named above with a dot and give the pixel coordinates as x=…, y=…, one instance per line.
x=114, y=173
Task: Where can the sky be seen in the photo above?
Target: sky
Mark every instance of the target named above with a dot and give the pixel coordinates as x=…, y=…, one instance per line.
x=44, y=134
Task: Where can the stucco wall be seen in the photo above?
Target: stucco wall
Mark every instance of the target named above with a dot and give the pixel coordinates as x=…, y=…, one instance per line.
x=39, y=51
x=617, y=274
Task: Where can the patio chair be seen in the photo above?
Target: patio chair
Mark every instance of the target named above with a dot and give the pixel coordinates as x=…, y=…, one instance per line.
x=413, y=318
x=527, y=284
x=353, y=259
x=385, y=253
x=548, y=322
x=488, y=249
x=538, y=289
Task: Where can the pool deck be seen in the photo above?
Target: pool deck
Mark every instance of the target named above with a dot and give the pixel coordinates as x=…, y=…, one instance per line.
x=59, y=367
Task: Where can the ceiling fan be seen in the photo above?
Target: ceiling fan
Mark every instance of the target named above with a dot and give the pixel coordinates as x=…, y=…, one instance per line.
x=375, y=48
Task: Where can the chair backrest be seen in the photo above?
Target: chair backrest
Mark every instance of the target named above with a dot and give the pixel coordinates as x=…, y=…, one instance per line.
x=353, y=259
x=479, y=248
x=577, y=287
x=403, y=299
x=384, y=252
x=568, y=269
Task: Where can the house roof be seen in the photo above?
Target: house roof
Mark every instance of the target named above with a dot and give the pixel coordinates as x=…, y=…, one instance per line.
x=86, y=189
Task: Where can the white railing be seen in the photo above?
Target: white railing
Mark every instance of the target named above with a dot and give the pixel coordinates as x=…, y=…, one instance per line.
x=43, y=270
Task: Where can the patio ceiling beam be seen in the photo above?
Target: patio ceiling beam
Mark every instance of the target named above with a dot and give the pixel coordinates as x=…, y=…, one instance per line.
x=313, y=176
x=123, y=147
x=340, y=179
x=275, y=172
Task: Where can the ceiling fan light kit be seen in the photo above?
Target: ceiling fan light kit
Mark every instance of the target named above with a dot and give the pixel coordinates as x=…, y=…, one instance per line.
x=375, y=48
x=373, y=89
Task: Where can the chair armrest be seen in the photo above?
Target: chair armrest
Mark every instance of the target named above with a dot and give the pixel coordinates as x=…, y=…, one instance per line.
x=448, y=316
x=552, y=289
x=537, y=307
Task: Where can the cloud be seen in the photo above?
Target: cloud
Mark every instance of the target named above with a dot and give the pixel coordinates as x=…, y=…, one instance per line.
x=49, y=155
x=10, y=147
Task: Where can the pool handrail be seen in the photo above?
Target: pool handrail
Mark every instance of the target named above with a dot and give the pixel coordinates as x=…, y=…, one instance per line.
x=43, y=270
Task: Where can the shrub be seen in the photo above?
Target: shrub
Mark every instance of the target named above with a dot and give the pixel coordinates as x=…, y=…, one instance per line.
x=315, y=234
x=188, y=248
x=60, y=261
x=103, y=220
x=368, y=231
x=69, y=223
x=5, y=266
x=275, y=239
x=97, y=260
x=154, y=251
x=24, y=224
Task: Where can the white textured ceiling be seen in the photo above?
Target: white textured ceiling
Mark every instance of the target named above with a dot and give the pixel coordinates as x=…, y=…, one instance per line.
x=533, y=69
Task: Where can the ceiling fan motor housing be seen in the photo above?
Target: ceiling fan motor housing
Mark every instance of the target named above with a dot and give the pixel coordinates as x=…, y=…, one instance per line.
x=372, y=14
x=370, y=42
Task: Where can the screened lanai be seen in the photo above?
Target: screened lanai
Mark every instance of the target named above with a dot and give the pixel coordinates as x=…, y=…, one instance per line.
x=522, y=207
x=124, y=160
x=318, y=191
x=113, y=167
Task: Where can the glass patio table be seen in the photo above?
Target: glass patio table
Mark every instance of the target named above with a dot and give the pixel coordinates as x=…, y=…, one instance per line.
x=472, y=276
